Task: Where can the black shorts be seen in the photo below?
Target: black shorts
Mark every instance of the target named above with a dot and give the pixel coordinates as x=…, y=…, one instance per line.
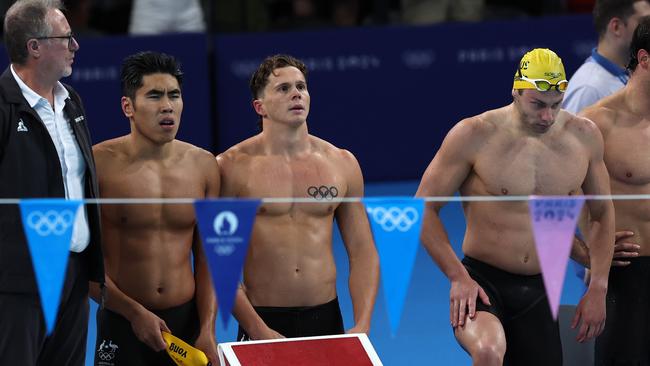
x=520, y=303
x=305, y=321
x=626, y=338
x=117, y=345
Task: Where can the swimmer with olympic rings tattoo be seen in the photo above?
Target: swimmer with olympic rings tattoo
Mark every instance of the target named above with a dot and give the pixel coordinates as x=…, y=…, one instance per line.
x=289, y=286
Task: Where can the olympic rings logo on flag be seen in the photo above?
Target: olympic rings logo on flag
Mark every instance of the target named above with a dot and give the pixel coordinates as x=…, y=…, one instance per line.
x=51, y=222
x=394, y=218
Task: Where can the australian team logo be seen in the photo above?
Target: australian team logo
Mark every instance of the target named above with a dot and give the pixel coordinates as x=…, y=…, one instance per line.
x=50, y=222
x=394, y=218
x=106, y=353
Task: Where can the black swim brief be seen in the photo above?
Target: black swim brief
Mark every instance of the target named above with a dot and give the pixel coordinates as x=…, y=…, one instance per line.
x=117, y=345
x=625, y=341
x=520, y=303
x=304, y=321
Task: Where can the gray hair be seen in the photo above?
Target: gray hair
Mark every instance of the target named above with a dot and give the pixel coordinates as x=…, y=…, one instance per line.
x=24, y=20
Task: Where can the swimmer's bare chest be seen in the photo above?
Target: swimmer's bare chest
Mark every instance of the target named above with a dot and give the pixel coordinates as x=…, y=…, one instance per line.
x=316, y=183
x=523, y=168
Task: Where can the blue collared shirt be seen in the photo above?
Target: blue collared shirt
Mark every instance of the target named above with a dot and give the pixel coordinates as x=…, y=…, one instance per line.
x=595, y=79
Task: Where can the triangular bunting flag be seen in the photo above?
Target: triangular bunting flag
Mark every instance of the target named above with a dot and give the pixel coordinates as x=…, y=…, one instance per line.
x=48, y=225
x=225, y=227
x=396, y=224
x=554, y=223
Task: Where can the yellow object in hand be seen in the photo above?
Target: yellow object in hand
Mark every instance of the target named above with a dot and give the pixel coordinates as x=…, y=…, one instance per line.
x=182, y=353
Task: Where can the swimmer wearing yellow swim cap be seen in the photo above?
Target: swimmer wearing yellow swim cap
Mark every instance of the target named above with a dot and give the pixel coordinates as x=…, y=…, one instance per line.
x=541, y=69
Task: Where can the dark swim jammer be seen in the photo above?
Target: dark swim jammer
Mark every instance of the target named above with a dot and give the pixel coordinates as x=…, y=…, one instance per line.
x=305, y=321
x=117, y=345
x=520, y=303
x=626, y=338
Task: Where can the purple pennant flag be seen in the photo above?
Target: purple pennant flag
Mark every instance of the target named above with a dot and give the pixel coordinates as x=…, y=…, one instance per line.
x=554, y=223
x=48, y=225
x=225, y=226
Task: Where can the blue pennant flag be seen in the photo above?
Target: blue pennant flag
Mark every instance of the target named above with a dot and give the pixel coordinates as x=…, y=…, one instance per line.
x=396, y=224
x=225, y=227
x=48, y=225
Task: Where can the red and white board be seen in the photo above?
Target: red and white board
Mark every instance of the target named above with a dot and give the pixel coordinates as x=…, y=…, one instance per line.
x=336, y=350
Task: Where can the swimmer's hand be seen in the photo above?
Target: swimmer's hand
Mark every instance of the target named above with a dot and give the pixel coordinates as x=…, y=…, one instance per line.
x=265, y=333
x=147, y=326
x=590, y=314
x=462, y=297
x=358, y=328
x=624, y=249
x=207, y=343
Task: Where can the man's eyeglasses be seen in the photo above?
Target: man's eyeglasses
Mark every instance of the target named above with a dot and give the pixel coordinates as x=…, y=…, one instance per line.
x=69, y=37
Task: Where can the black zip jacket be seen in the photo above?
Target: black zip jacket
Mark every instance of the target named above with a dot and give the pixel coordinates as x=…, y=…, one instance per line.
x=30, y=168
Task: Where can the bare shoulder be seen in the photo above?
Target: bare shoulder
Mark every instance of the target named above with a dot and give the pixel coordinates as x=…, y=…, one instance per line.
x=239, y=154
x=109, y=150
x=469, y=134
x=478, y=127
x=192, y=152
x=332, y=153
x=578, y=124
x=584, y=129
x=235, y=166
x=604, y=112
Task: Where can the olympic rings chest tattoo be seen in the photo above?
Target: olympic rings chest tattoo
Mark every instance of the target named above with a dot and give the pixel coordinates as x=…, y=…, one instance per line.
x=322, y=192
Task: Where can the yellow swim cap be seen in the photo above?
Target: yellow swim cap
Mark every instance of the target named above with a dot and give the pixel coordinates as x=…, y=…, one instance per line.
x=541, y=65
x=182, y=353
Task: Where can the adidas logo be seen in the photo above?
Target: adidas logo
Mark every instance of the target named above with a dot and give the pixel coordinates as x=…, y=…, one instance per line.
x=21, y=126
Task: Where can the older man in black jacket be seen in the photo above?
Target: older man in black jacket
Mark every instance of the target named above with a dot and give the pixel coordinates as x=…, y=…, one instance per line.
x=45, y=151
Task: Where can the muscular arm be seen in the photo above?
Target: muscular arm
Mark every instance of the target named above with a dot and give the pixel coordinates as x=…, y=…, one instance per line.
x=242, y=310
x=604, y=116
x=115, y=300
x=601, y=217
x=579, y=249
x=600, y=236
x=443, y=177
x=206, y=301
x=362, y=255
x=248, y=318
